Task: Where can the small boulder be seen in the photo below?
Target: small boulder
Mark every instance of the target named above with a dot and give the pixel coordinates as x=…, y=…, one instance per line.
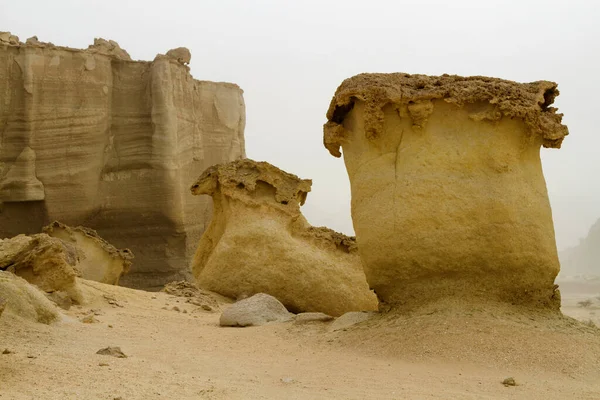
x=254, y=311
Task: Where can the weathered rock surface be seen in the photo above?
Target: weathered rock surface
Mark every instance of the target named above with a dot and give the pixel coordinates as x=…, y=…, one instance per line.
x=92, y=138
x=259, y=242
x=25, y=300
x=98, y=260
x=254, y=311
x=47, y=262
x=2, y=305
x=448, y=194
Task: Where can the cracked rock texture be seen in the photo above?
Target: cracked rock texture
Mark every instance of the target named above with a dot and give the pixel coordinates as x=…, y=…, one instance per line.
x=448, y=195
x=259, y=242
x=92, y=138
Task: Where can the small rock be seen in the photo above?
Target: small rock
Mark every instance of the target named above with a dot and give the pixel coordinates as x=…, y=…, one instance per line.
x=256, y=310
x=112, y=300
x=110, y=326
x=102, y=364
x=288, y=380
x=175, y=308
x=510, y=381
x=206, y=307
x=349, y=319
x=89, y=319
x=7, y=351
x=312, y=317
x=185, y=311
x=112, y=351
x=30, y=356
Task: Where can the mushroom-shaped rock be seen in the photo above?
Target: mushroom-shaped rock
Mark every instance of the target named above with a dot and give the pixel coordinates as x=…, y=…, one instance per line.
x=258, y=241
x=98, y=260
x=448, y=194
x=181, y=54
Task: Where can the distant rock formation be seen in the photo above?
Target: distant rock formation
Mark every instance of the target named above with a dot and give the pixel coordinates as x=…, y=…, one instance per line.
x=92, y=138
x=259, y=242
x=583, y=260
x=448, y=194
x=98, y=260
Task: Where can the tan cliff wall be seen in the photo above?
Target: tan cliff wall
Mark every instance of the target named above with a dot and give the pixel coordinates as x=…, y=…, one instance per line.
x=259, y=242
x=90, y=137
x=448, y=194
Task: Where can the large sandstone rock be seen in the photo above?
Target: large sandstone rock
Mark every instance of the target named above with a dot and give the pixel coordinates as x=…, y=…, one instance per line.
x=98, y=260
x=92, y=138
x=258, y=241
x=25, y=300
x=47, y=262
x=448, y=195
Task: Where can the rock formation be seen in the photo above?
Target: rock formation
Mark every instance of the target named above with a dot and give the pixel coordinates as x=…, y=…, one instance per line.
x=92, y=138
x=583, y=260
x=98, y=260
x=47, y=262
x=25, y=300
x=448, y=194
x=258, y=241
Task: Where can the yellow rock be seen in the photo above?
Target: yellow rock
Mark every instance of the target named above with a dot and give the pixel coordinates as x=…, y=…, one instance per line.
x=259, y=242
x=448, y=194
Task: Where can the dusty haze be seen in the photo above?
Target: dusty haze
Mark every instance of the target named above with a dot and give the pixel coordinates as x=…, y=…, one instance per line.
x=289, y=58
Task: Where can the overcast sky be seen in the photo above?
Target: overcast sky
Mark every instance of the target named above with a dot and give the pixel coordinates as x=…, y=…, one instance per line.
x=290, y=56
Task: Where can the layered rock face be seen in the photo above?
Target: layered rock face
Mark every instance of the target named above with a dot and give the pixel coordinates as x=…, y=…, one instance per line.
x=98, y=260
x=90, y=137
x=259, y=242
x=448, y=194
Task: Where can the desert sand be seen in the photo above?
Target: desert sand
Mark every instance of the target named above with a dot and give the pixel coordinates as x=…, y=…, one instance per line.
x=186, y=355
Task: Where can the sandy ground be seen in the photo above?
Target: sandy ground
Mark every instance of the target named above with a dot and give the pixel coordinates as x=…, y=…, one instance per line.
x=186, y=355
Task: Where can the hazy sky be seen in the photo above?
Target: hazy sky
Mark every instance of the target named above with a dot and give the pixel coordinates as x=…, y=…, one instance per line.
x=290, y=56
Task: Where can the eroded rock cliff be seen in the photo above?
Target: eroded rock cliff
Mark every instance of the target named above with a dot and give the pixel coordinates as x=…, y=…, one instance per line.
x=448, y=194
x=259, y=242
x=90, y=137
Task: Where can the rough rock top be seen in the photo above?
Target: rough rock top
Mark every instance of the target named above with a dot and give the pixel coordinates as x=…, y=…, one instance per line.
x=528, y=101
x=246, y=176
x=109, y=47
x=124, y=254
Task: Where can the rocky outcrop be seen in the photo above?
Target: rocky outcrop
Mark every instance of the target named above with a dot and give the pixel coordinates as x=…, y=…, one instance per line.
x=92, y=138
x=47, y=262
x=258, y=241
x=25, y=301
x=583, y=260
x=448, y=194
x=98, y=260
